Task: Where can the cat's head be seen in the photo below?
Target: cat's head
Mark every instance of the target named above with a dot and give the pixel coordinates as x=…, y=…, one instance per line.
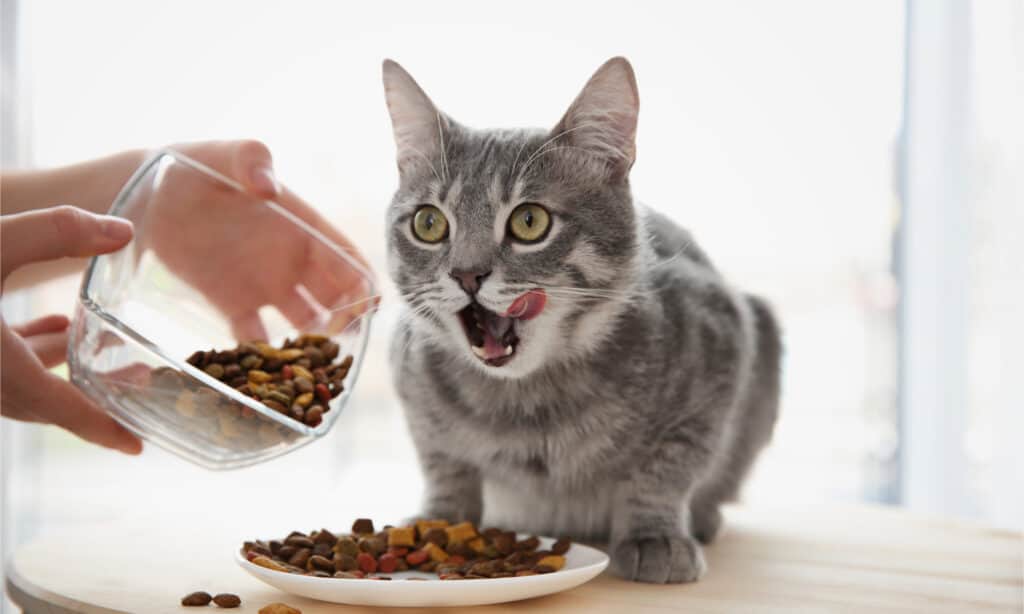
x=513, y=247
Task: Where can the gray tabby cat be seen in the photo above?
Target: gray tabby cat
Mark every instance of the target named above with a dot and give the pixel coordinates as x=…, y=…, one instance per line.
x=569, y=356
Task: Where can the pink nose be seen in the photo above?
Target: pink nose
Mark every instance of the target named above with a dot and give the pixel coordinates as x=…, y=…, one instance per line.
x=469, y=281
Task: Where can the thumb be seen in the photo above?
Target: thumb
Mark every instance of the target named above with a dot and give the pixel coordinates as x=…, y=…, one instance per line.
x=58, y=232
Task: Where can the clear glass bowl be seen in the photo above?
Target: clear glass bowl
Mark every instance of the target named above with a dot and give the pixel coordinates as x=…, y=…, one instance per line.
x=204, y=248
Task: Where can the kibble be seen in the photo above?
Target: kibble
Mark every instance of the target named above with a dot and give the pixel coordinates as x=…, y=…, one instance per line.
x=279, y=608
x=227, y=600
x=453, y=552
x=298, y=380
x=197, y=598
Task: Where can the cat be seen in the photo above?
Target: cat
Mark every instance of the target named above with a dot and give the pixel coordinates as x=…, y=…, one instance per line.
x=570, y=357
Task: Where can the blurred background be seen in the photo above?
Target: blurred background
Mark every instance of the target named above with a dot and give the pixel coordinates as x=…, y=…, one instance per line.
x=858, y=163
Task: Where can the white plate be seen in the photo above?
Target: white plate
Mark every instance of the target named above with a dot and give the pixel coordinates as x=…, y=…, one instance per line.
x=581, y=564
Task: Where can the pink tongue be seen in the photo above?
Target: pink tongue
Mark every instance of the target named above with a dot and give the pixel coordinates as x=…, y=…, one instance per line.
x=527, y=305
x=492, y=349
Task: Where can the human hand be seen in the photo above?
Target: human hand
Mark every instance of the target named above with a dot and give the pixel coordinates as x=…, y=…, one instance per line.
x=28, y=391
x=193, y=229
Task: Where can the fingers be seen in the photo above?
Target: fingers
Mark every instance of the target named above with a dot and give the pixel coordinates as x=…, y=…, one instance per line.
x=50, y=348
x=248, y=327
x=29, y=392
x=249, y=162
x=298, y=310
x=58, y=232
x=306, y=213
x=47, y=324
x=68, y=408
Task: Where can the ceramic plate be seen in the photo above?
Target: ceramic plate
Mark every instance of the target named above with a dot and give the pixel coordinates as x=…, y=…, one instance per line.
x=581, y=564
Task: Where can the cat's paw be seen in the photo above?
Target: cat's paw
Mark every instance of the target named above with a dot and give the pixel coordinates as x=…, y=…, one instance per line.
x=661, y=559
x=705, y=524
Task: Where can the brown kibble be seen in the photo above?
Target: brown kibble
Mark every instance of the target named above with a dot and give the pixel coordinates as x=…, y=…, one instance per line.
x=304, y=400
x=346, y=545
x=319, y=562
x=301, y=557
x=299, y=540
x=310, y=339
x=362, y=525
x=505, y=543
x=436, y=535
x=345, y=562
x=330, y=349
x=196, y=359
x=314, y=416
x=528, y=544
x=315, y=356
x=279, y=608
x=297, y=413
x=303, y=384
x=227, y=600
x=561, y=546
x=196, y=598
x=275, y=405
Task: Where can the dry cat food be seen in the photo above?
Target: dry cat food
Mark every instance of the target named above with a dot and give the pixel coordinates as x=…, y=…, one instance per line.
x=453, y=552
x=298, y=379
x=279, y=608
x=202, y=598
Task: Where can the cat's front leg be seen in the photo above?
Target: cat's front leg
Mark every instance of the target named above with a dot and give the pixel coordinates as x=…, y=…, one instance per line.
x=650, y=536
x=454, y=488
x=649, y=542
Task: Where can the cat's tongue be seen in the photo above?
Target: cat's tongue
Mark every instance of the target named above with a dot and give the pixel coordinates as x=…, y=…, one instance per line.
x=528, y=305
x=495, y=329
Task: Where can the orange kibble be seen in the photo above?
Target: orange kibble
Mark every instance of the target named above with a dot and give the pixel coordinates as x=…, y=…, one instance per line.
x=401, y=537
x=462, y=532
x=436, y=553
x=554, y=561
x=478, y=545
x=422, y=526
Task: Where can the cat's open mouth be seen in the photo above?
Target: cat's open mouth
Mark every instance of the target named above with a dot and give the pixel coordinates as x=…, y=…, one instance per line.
x=492, y=337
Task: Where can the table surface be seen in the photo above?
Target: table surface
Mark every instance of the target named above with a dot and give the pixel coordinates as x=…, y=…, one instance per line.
x=821, y=559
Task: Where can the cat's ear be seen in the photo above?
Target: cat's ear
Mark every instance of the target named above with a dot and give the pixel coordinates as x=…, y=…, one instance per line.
x=603, y=117
x=420, y=128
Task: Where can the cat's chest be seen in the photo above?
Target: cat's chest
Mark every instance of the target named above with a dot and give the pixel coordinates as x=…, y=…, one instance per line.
x=522, y=436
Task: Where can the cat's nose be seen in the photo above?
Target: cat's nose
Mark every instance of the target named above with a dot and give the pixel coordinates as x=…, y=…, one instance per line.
x=469, y=281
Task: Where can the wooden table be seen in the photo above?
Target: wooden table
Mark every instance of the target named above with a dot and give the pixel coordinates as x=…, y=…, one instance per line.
x=828, y=559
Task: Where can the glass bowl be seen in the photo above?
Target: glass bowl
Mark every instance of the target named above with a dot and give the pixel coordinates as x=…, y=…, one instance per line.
x=211, y=266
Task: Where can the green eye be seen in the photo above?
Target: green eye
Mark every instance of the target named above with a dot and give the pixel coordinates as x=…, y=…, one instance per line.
x=529, y=223
x=429, y=224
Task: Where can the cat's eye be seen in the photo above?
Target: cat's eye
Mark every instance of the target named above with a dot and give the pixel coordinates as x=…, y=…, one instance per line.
x=529, y=223
x=429, y=224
